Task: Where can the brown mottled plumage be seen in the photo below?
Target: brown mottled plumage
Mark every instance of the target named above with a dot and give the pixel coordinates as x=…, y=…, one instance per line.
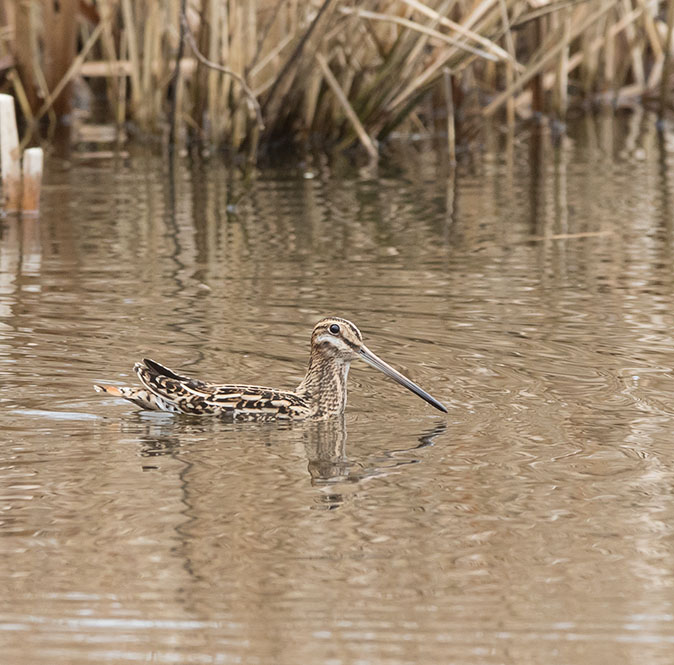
x=335, y=343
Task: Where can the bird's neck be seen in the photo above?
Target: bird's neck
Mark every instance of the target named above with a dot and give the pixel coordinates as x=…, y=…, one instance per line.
x=324, y=385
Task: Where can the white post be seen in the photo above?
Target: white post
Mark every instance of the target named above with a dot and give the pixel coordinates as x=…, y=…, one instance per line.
x=32, y=180
x=10, y=159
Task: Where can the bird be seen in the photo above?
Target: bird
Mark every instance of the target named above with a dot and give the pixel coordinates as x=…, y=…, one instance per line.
x=321, y=395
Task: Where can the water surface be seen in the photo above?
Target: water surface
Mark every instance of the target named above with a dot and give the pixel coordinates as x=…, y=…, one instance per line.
x=532, y=292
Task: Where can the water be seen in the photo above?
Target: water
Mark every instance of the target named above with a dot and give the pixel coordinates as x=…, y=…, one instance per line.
x=533, y=294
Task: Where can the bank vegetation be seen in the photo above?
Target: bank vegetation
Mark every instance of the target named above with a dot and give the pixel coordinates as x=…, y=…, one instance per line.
x=246, y=75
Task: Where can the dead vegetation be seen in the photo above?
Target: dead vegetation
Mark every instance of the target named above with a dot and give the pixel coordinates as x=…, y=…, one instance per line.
x=244, y=73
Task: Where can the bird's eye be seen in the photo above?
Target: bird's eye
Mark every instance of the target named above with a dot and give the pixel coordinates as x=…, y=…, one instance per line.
x=334, y=328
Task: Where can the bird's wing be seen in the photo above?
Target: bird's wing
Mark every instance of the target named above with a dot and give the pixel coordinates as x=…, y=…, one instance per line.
x=241, y=402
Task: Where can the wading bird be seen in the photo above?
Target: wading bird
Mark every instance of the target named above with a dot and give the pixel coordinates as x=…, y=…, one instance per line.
x=335, y=343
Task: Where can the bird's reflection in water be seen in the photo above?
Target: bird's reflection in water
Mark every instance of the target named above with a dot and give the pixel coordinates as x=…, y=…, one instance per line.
x=158, y=435
x=325, y=445
x=329, y=464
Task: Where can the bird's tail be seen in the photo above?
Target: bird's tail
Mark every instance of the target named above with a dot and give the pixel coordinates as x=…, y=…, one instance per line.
x=141, y=397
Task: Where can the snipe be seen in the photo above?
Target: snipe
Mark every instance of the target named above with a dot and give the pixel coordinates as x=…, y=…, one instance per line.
x=335, y=343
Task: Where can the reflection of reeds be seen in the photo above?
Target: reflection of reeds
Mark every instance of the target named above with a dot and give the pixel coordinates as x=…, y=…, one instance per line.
x=333, y=71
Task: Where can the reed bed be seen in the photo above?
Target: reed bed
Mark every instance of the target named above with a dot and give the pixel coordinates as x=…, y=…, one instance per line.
x=246, y=74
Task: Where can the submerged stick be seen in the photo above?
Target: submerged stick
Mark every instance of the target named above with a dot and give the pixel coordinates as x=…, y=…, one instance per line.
x=10, y=157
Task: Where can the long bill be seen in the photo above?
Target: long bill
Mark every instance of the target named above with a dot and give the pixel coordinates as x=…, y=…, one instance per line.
x=376, y=362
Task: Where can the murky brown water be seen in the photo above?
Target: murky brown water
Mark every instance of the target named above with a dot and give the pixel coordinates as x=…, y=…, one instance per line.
x=534, y=524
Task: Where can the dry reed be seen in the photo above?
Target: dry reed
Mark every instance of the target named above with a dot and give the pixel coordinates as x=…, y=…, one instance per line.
x=243, y=73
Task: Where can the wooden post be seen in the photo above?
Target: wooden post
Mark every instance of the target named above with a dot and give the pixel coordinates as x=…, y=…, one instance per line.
x=17, y=196
x=32, y=180
x=10, y=159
